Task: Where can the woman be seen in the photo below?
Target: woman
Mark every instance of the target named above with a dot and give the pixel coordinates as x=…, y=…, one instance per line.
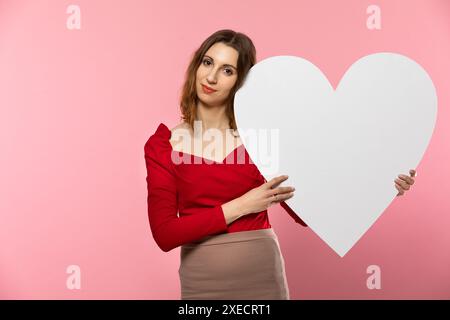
x=228, y=247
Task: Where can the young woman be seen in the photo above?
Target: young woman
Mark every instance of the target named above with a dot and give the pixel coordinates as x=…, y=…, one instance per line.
x=228, y=247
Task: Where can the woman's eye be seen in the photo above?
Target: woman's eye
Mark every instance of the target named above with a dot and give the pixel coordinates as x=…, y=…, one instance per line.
x=207, y=63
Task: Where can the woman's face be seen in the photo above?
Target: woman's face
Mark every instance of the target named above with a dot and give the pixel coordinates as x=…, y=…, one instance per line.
x=217, y=70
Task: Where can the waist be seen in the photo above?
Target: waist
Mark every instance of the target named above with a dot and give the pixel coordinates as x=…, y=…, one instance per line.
x=230, y=237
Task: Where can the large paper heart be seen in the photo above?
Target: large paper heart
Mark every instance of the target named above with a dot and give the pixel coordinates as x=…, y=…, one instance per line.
x=343, y=148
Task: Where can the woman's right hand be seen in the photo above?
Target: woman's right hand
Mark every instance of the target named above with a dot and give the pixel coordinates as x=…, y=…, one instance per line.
x=262, y=197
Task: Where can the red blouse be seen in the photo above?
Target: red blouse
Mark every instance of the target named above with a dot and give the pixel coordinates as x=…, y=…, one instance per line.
x=196, y=192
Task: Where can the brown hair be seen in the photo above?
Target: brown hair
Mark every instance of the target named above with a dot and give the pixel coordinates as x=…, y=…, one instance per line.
x=246, y=59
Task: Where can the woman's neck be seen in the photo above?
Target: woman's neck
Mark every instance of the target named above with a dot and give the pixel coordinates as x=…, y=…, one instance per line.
x=212, y=117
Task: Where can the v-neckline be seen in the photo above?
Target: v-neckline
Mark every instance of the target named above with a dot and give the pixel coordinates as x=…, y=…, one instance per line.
x=195, y=156
x=203, y=158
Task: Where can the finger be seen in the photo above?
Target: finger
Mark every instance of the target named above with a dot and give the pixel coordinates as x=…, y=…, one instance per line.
x=413, y=173
x=276, y=181
x=403, y=184
x=280, y=190
x=282, y=197
x=408, y=180
x=400, y=190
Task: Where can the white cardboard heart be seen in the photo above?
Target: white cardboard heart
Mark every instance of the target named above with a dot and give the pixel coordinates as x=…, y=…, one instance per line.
x=343, y=148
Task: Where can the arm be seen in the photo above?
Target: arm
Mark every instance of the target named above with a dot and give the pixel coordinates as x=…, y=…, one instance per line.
x=168, y=230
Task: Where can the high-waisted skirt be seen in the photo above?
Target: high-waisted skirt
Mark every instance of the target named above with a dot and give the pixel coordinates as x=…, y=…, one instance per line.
x=241, y=265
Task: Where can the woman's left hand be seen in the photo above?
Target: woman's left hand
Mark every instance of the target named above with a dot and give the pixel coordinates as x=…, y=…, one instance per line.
x=403, y=183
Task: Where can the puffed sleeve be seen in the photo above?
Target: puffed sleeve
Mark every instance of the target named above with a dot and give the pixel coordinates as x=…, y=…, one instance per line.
x=168, y=230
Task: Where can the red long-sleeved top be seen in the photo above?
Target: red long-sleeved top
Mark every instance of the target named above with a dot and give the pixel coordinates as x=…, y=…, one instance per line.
x=196, y=192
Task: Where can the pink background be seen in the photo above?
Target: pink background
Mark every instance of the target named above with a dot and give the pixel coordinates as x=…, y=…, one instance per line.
x=77, y=107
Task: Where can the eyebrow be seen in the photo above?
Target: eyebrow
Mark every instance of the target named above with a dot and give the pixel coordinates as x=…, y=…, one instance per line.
x=228, y=65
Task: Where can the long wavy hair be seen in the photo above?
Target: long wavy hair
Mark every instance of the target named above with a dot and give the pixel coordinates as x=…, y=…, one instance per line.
x=246, y=59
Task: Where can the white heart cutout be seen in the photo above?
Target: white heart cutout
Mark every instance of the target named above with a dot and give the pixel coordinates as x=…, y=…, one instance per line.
x=343, y=148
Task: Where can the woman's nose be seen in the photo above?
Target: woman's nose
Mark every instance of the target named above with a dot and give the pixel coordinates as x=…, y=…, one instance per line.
x=212, y=77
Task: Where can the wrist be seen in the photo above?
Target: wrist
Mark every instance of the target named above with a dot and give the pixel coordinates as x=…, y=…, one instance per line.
x=240, y=206
x=233, y=210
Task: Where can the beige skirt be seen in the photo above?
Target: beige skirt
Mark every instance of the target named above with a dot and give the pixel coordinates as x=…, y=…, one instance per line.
x=242, y=265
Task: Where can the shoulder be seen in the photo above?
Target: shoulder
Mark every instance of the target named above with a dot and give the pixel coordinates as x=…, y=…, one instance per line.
x=160, y=144
x=181, y=129
x=158, y=141
x=181, y=125
x=158, y=150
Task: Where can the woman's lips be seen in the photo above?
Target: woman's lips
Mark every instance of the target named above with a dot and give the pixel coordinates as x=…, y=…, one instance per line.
x=207, y=90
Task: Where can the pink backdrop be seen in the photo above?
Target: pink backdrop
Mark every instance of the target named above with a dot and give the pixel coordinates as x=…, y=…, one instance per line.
x=77, y=107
